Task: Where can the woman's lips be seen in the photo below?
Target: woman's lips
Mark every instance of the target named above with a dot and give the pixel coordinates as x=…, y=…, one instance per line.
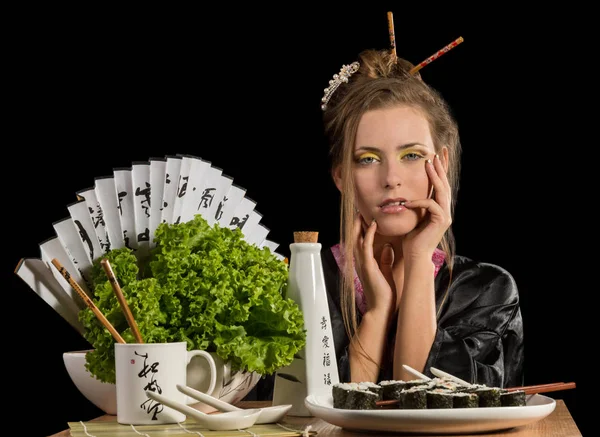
x=393, y=207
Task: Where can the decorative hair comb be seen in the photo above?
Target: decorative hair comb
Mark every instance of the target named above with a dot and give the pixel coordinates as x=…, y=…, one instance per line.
x=349, y=70
x=343, y=76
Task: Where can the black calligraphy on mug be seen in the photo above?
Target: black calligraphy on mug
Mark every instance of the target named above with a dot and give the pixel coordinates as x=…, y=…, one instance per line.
x=149, y=372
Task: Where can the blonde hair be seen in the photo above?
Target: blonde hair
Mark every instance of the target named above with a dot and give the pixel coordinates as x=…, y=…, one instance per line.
x=382, y=81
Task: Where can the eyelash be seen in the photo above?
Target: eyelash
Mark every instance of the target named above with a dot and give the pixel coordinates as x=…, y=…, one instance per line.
x=418, y=156
x=361, y=160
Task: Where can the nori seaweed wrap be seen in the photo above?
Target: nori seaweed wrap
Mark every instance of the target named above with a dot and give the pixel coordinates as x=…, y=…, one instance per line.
x=465, y=400
x=413, y=398
x=350, y=396
x=390, y=390
x=514, y=398
x=358, y=399
x=489, y=396
x=440, y=398
x=339, y=393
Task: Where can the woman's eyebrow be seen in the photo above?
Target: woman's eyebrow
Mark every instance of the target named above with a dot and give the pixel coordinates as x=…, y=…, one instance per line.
x=400, y=147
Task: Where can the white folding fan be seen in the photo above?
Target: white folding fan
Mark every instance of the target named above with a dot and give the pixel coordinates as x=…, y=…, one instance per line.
x=124, y=210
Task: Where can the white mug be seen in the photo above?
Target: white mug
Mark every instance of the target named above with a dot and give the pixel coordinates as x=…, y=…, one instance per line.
x=157, y=367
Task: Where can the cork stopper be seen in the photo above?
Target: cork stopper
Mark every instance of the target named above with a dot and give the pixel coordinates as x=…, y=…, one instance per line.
x=306, y=237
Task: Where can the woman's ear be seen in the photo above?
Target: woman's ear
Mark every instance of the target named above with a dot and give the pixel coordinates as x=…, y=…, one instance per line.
x=336, y=174
x=444, y=157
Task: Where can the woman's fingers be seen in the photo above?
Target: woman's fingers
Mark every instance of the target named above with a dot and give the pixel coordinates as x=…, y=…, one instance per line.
x=440, y=172
x=386, y=263
x=438, y=213
x=434, y=177
x=439, y=181
x=368, y=240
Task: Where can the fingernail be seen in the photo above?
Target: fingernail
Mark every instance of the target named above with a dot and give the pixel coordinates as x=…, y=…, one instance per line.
x=373, y=222
x=429, y=161
x=437, y=156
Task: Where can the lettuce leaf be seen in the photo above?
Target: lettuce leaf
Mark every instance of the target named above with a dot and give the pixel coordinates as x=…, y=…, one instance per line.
x=203, y=285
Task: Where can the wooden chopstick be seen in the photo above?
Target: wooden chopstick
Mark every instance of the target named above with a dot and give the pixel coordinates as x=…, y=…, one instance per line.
x=122, y=301
x=83, y=295
x=529, y=387
x=545, y=388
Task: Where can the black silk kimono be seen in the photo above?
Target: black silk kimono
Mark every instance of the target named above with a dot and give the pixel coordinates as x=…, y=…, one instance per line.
x=480, y=330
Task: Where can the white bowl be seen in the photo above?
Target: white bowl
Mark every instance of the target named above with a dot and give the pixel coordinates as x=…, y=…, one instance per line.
x=230, y=387
x=101, y=394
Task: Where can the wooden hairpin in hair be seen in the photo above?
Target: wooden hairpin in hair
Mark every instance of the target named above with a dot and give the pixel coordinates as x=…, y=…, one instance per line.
x=436, y=55
x=390, y=17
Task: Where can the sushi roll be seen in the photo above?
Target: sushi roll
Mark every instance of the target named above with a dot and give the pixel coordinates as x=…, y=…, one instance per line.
x=413, y=398
x=440, y=398
x=359, y=399
x=445, y=383
x=489, y=396
x=465, y=400
x=349, y=395
x=371, y=386
x=390, y=389
x=427, y=383
x=340, y=392
x=514, y=398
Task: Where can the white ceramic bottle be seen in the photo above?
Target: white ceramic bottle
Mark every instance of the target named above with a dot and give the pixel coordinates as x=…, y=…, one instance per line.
x=314, y=370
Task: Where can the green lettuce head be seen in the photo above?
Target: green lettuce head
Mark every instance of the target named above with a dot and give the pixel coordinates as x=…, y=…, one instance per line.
x=203, y=285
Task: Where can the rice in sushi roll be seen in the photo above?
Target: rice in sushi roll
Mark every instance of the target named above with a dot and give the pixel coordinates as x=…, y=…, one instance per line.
x=446, y=383
x=426, y=383
x=371, y=386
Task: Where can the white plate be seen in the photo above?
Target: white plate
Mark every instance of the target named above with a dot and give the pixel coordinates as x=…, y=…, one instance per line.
x=438, y=421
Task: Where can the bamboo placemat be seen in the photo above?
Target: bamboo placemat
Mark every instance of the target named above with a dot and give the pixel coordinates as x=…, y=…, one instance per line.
x=184, y=429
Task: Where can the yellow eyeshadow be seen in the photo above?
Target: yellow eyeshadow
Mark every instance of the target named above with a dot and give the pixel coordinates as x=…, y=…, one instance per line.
x=367, y=155
x=409, y=151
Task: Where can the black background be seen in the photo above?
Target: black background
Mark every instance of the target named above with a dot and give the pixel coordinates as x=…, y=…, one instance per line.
x=97, y=89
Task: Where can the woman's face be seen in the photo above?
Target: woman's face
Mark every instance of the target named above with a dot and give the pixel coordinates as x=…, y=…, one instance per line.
x=392, y=146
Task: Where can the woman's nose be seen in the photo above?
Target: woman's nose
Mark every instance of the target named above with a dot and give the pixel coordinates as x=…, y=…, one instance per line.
x=392, y=175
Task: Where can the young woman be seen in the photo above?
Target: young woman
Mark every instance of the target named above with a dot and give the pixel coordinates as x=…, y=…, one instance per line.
x=406, y=297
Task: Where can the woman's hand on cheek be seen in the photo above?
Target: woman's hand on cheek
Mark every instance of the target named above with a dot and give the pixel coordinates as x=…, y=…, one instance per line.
x=424, y=239
x=376, y=278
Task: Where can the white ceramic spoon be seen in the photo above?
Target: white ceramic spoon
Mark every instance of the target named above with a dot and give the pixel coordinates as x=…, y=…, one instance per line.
x=215, y=422
x=441, y=374
x=437, y=372
x=267, y=414
x=416, y=373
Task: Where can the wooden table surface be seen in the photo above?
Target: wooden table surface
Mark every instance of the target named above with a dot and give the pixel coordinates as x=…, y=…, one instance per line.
x=558, y=424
